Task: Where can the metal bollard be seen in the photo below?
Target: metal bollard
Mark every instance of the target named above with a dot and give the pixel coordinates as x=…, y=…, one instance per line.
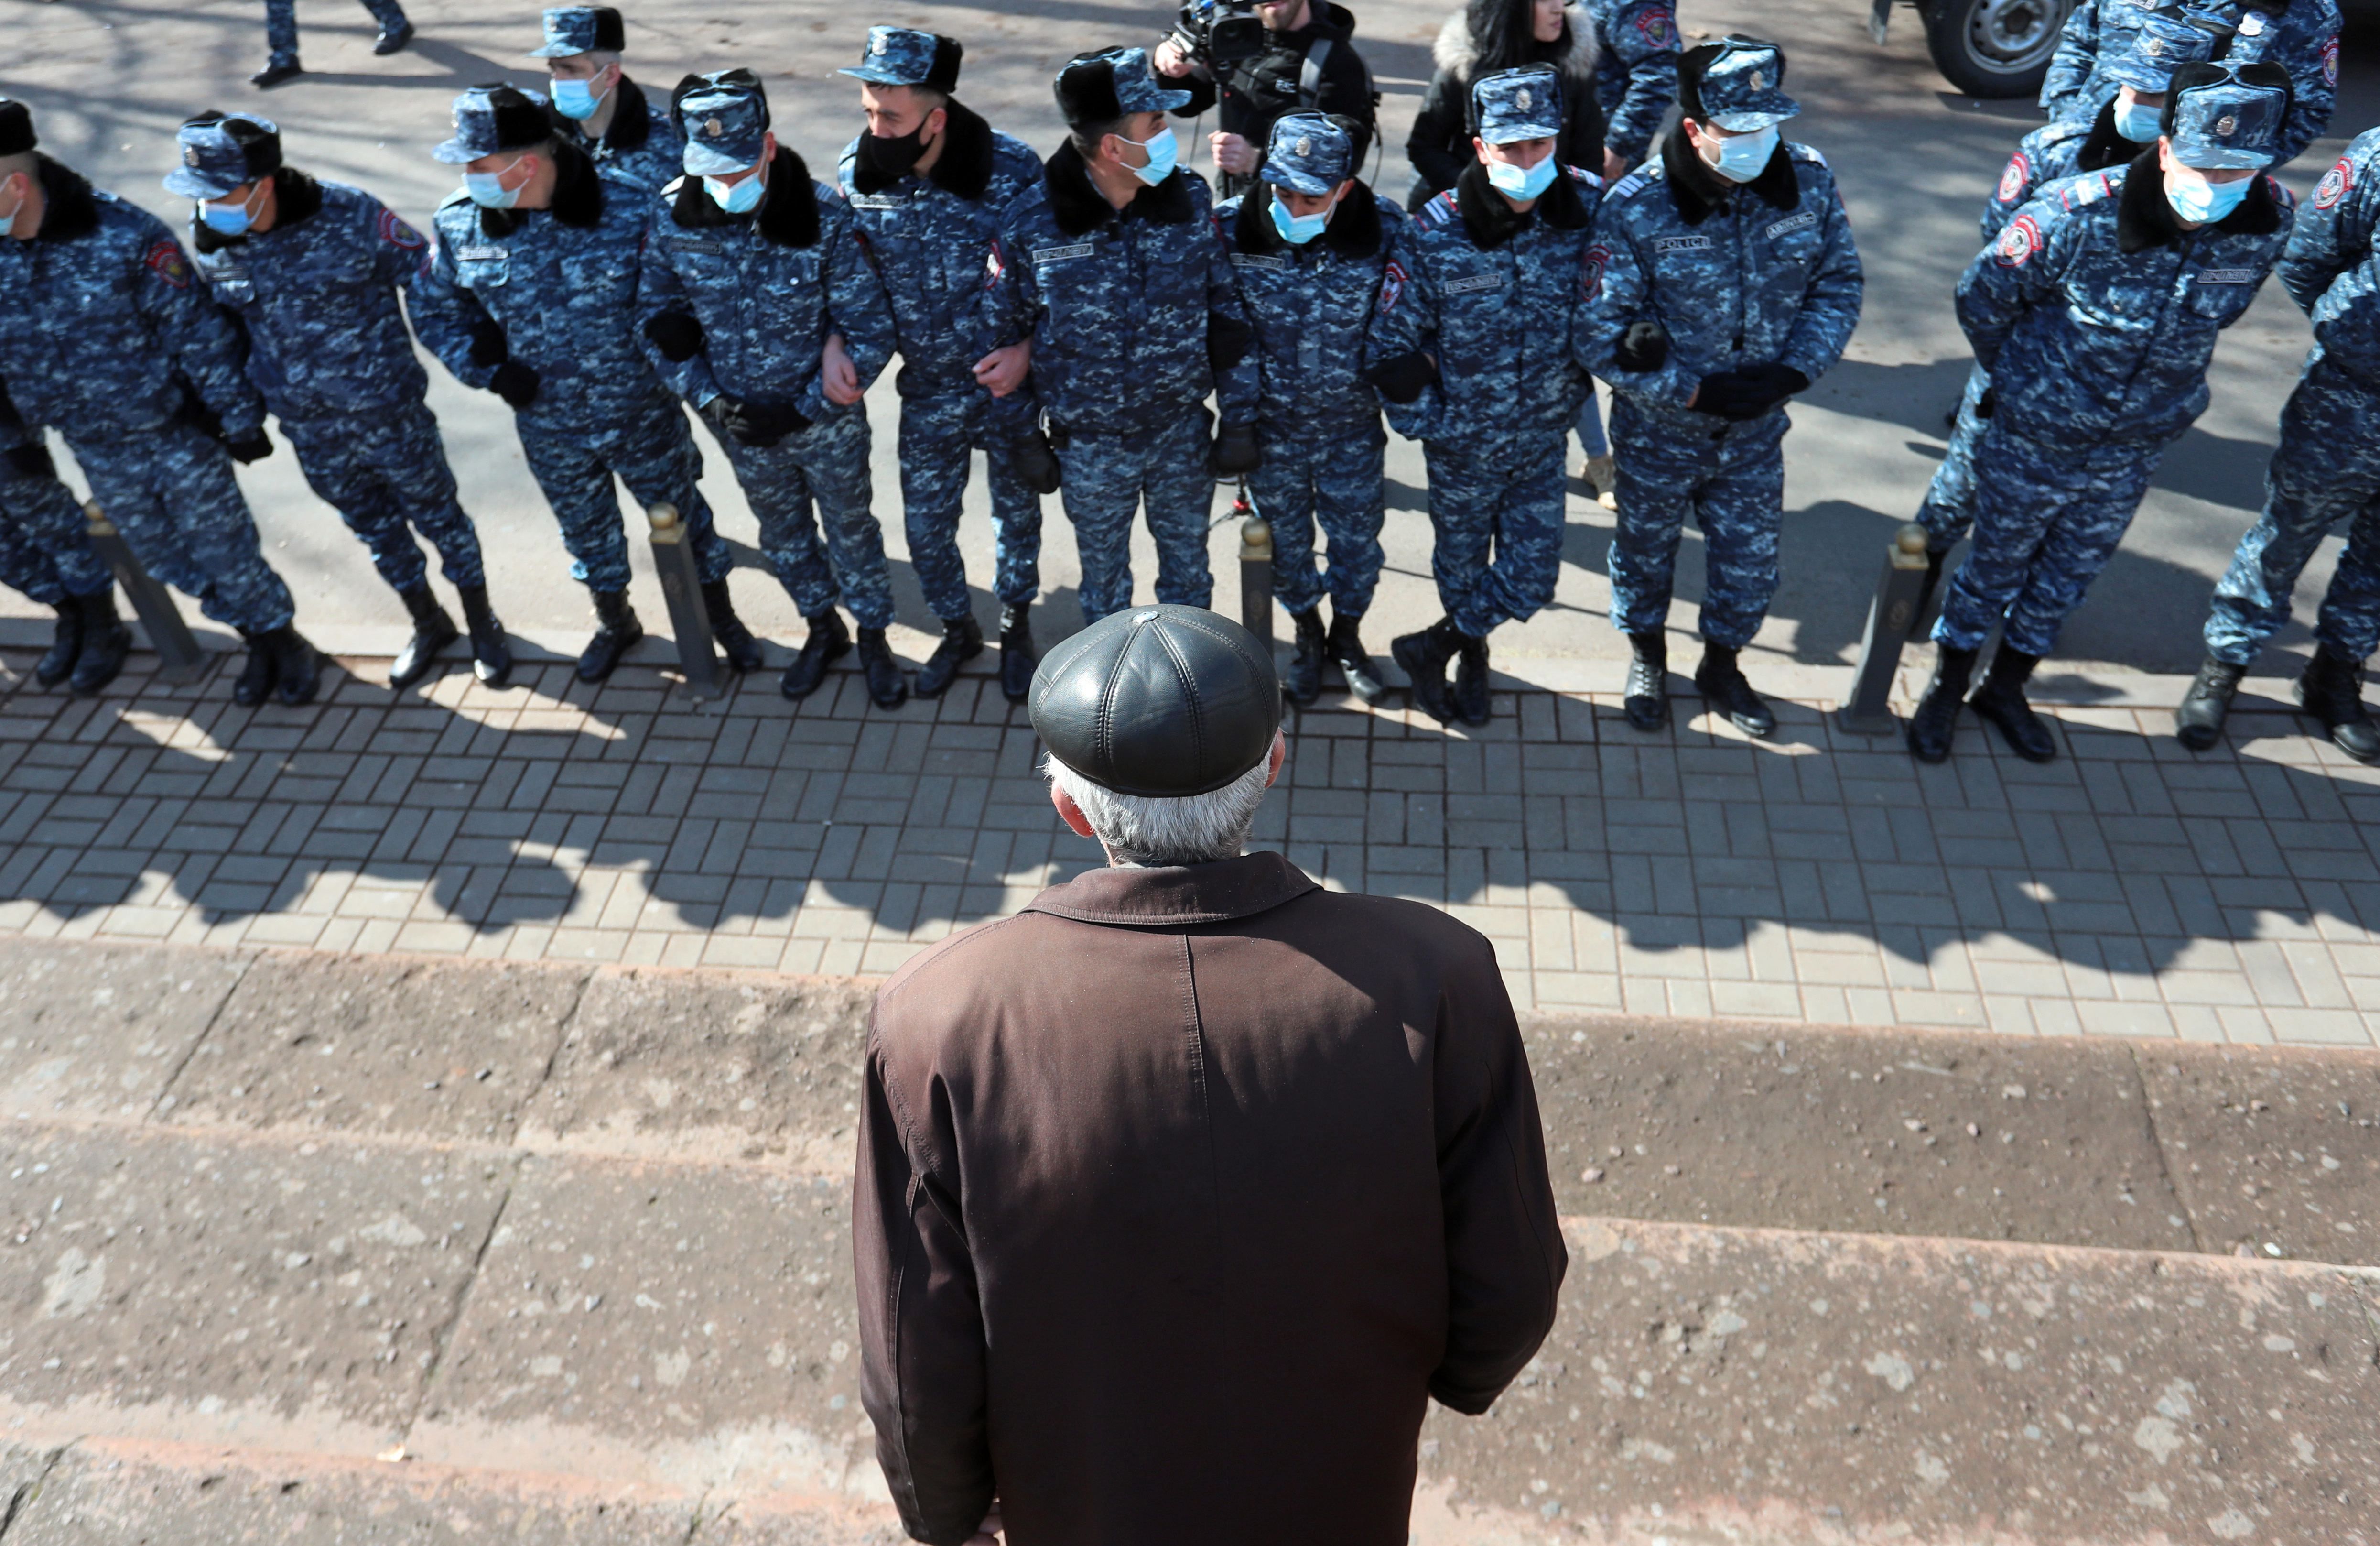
x=1868, y=711
x=698, y=657
x=179, y=655
x=1256, y=570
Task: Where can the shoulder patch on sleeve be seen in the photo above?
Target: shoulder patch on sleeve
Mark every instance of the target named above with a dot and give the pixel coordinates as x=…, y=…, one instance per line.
x=1657, y=26
x=2281, y=195
x=2335, y=184
x=993, y=265
x=166, y=260
x=2013, y=180
x=1590, y=271
x=1393, y=285
x=2330, y=61
x=395, y=232
x=2019, y=242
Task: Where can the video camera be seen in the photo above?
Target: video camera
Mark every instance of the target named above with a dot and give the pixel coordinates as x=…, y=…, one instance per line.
x=1218, y=33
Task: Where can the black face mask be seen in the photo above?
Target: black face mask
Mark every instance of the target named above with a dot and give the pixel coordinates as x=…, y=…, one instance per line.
x=892, y=158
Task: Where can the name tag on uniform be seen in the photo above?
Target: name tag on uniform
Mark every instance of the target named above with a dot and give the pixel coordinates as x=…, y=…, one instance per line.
x=1473, y=284
x=1258, y=260
x=876, y=201
x=1060, y=254
x=481, y=254
x=2226, y=277
x=1791, y=223
x=697, y=244
x=1682, y=244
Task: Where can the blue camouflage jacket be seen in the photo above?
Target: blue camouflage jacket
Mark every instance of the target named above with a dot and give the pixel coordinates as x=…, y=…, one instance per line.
x=640, y=148
x=552, y=289
x=2096, y=314
x=1636, y=78
x=768, y=287
x=1763, y=273
x=2330, y=268
x=1487, y=297
x=317, y=298
x=1311, y=306
x=929, y=237
x=105, y=330
x=2301, y=36
x=1132, y=312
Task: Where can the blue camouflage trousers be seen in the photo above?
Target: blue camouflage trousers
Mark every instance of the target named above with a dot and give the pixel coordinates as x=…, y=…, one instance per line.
x=1950, y=507
x=1162, y=474
x=38, y=517
x=171, y=491
x=2047, y=522
x=937, y=434
x=1332, y=476
x=281, y=25
x=652, y=450
x=1496, y=518
x=387, y=475
x=2326, y=472
x=816, y=484
x=1732, y=477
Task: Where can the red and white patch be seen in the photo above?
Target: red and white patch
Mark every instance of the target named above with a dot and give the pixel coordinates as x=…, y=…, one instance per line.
x=1590, y=272
x=1392, y=287
x=1659, y=29
x=2020, y=242
x=993, y=268
x=2013, y=180
x=396, y=233
x=2334, y=184
x=166, y=260
x=2330, y=61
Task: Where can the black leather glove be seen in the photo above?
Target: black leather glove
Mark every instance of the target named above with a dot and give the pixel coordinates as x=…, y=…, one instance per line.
x=1986, y=405
x=32, y=460
x=252, y=446
x=1403, y=380
x=1645, y=347
x=1237, y=452
x=760, y=423
x=676, y=335
x=1035, y=463
x=1749, y=393
x=487, y=345
x=1228, y=340
x=516, y=383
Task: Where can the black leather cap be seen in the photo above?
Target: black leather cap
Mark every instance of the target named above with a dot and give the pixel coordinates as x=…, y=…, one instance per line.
x=1159, y=701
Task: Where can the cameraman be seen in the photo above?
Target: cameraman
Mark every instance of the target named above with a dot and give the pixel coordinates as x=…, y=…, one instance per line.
x=1262, y=83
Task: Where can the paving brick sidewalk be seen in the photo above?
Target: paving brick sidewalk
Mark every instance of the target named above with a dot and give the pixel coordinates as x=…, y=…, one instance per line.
x=2128, y=888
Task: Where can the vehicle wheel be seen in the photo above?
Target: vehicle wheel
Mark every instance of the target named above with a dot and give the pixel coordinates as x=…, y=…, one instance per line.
x=1995, y=48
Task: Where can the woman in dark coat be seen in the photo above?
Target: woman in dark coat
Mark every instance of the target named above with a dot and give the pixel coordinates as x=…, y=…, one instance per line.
x=1491, y=35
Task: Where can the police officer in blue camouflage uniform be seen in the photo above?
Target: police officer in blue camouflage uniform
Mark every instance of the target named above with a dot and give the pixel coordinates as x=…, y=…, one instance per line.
x=750, y=268
x=1636, y=75
x=108, y=336
x=312, y=270
x=2126, y=123
x=2302, y=36
x=597, y=107
x=281, y=38
x=531, y=293
x=1109, y=271
x=2096, y=314
x=1308, y=249
x=2325, y=475
x=1723, y=280
x=925, y=185
x=1471, y=347
x=45, y=553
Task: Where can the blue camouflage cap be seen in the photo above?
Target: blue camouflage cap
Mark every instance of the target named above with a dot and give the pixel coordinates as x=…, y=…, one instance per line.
x=216, y=157
x=1742, y=88
x=490, y=120
x=2227, y=122
x=724, y=115
x=1523, y=103
x=1308, y=153
x=582, y=29
x=1111, y=83
x=904, y=57
x=2165, y=41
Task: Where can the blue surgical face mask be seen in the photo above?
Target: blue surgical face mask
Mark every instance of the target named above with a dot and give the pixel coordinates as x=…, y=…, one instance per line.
x=1742, y=156
x=2200, y=201
x=227, y=220
x=486, y=190
x=577, y=99
x=741, y=198
x=1163, y=152
x=2138, y=122
x=1524, y=183
x=1299, y=229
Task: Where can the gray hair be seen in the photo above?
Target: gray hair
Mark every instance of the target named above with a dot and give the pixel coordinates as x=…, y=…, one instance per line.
x=1147, y=831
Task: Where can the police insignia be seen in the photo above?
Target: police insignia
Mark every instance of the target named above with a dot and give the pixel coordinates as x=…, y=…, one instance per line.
x=877, y=47
x=2227, y=124
x=992, y=267
x=2020, y=241
x=1759, y=81
x=1523, y=101
x=712, y=128
x=2013, y=181
x=189, y=155
x=2253, y=25
x=1305, y=145
x=2330, y=61
x=1657, y=27
x=1393, y=285
x=164, y=260
x=2334, y=184
x=395, y=232
x=1590, y=272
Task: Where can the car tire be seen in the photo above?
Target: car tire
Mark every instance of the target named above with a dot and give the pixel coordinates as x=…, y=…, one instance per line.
x=1995, y=48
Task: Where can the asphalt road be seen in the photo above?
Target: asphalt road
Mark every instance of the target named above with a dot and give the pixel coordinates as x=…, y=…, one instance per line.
x=108, y=81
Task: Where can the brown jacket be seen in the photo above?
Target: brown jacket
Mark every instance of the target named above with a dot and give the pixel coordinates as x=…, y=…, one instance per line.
x=1179, y=1193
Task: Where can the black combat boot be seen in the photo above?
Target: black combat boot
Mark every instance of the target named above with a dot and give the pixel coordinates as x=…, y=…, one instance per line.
x=2332, y=691
x=106, y=643
x=617, y=630
x=736, y=640
x=254, y=684
x=57, y=662
x=2000, y=701
x=1301, y=684
x=1647, y=703
x=1936, y=719
x=962, y=642
x=1471, y=681
x=492, y=658
x=1720, y=681
x=828, y=642
x=432, y=631
x=297, y=666
x=1424, y=656
x=887, y=685
x=2198, y=724
x=1355, y=663
x=1018, y=657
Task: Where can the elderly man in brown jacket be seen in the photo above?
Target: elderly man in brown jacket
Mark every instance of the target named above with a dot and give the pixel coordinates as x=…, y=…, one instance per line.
x=1183, y=1191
